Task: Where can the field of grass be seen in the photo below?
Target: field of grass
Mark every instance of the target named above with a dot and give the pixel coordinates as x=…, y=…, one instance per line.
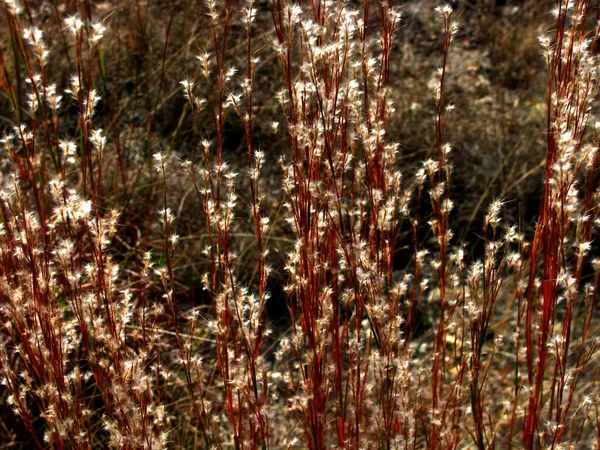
x=276, y=225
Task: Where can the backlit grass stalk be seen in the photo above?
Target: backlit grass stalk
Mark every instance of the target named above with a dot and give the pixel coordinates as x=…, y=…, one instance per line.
x=572, y=87
x=442, y=206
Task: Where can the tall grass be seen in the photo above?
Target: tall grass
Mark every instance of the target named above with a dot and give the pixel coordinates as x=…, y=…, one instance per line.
x=398, y=334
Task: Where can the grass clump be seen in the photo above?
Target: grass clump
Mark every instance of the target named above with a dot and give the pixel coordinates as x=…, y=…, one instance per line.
x=247, y=227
